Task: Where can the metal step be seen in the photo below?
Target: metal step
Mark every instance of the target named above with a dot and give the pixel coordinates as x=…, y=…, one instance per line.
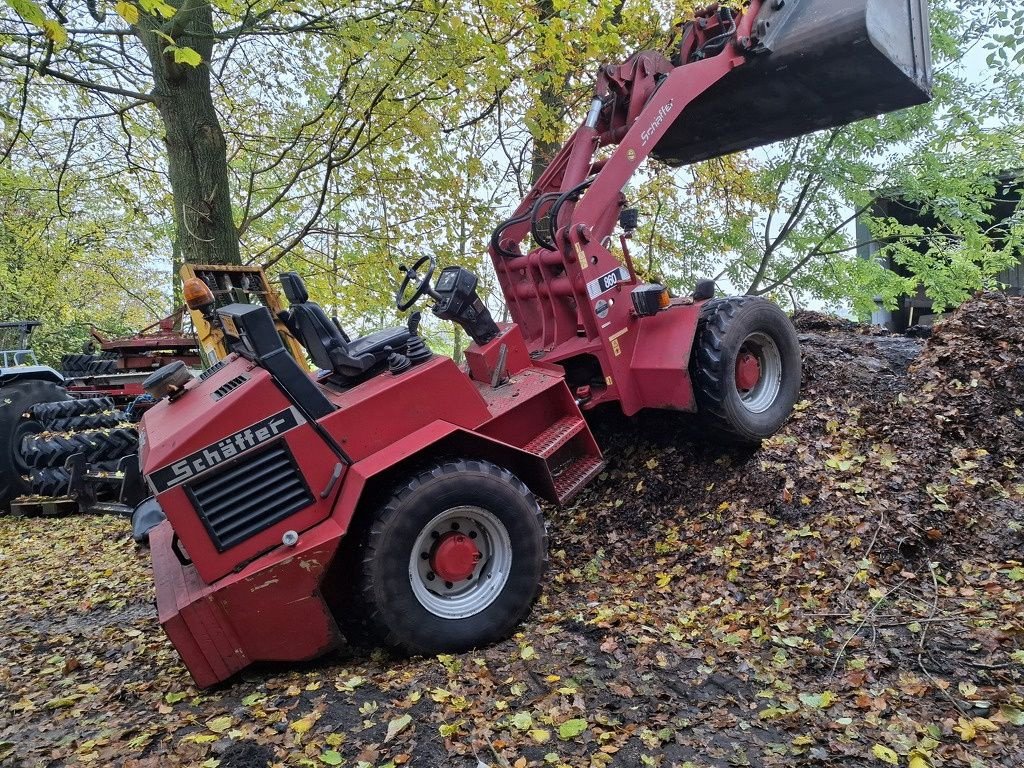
x=574, y=477
x=554, y=437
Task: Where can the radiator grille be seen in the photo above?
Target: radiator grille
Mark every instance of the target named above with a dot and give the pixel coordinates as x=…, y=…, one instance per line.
x=250, y=496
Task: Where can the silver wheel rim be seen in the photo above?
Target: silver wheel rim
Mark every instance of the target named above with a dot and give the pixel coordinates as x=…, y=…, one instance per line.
x=766, y=391
x=470, y=596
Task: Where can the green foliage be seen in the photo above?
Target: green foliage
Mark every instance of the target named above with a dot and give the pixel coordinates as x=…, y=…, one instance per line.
x=69, y=271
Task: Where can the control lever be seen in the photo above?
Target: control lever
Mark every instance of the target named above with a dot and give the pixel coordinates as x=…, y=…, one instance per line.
x=414, y=323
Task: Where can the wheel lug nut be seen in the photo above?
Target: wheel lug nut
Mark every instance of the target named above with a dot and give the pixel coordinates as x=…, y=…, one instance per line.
x=472, y=534
x=455, y=526
x=435, y=535
x=424, y=555
x=430, y=576
x=448, y=585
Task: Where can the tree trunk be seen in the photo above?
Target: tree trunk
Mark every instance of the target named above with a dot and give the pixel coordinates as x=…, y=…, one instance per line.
x=552, y=100
x=197, y=163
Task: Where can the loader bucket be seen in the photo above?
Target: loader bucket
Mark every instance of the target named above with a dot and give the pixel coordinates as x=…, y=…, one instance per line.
x=824, y=63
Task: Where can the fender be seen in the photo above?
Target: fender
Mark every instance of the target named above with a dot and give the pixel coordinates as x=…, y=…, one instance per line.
x=32, y=372
x=366, y=480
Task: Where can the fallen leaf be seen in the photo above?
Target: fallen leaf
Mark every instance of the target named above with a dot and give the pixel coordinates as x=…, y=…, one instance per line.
x=570, y=729
x=885, y=754
x=396, y=726
x=219, y=724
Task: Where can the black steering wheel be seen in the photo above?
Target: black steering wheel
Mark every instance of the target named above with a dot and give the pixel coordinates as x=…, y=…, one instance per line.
x=411, y=276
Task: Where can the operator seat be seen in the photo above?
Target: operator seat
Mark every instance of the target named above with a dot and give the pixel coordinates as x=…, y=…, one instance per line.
x=327, y=344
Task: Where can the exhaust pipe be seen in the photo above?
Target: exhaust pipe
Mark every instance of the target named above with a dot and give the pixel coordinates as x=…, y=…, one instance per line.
x=818, y=64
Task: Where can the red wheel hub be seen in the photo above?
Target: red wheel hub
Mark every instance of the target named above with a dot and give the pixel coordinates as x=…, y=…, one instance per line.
x=748, y=371
x=455, y=557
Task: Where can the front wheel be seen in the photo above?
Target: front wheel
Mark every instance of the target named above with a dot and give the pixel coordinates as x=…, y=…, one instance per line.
x=746, y=367
x=453, y=560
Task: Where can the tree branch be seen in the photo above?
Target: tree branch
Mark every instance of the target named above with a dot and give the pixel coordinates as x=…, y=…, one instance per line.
x=73, y=80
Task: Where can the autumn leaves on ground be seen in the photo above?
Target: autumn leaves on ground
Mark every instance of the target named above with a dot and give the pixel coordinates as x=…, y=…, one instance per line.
x=849, y=595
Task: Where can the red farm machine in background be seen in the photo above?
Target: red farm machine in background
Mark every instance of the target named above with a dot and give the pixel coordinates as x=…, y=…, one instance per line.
x=392, y=495
x=117, y=367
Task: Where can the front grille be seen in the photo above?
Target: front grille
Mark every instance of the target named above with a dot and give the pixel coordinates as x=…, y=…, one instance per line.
x=250, y=496
x=229, y=386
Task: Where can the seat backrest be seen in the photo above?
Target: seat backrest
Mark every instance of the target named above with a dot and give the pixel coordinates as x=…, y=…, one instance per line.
x=316, y=333
x=327, y=346
x=294, y=289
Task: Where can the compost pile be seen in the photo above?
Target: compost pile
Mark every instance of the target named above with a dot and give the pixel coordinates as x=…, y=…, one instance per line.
x=876, y=543
x=849, y=594
x=931, y=435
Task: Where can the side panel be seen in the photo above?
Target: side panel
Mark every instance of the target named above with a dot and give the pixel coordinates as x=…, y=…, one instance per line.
x=383, y=410
x=30, y=372
x=270, y=611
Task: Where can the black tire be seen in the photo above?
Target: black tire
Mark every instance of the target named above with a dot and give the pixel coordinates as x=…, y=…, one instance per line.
x=745, y=327
x=75, y=364
x=53, y=449
x=51, y=481
x=101, y=367
x=17, y=400
x=47, y=413
x=388, y=608
x=103, y=420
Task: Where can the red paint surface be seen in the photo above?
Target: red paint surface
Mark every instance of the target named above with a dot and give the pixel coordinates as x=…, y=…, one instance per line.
x=455, y=557
x=748, y=371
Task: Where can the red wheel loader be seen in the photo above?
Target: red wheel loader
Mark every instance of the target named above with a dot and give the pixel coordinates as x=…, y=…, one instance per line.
x=392, y=494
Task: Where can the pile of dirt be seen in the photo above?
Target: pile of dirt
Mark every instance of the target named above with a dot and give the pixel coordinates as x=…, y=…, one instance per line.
x=892, y=499
x=911, y=427
x=960, y=428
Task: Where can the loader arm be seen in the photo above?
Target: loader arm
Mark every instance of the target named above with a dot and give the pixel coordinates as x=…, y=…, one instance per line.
x=741, y=77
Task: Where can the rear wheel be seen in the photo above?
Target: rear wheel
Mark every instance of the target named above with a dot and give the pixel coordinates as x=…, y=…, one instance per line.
x=746, y=367
x=16, y=401
x=453, y=560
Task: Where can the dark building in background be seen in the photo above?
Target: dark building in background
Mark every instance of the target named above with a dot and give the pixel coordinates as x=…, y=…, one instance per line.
x=917, y=309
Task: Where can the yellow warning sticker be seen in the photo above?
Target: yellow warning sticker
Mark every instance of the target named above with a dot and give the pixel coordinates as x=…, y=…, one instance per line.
x=616, y=346
x=582, y=256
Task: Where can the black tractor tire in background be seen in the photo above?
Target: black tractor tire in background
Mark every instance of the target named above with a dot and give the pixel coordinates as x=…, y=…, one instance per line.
x=755, y=328
x=101, y=366
x=48, y=413
x=465, y=500
x=18, y=400
x=52, y=481
x=52, y=449
x=74, y=364
x=103, y=420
